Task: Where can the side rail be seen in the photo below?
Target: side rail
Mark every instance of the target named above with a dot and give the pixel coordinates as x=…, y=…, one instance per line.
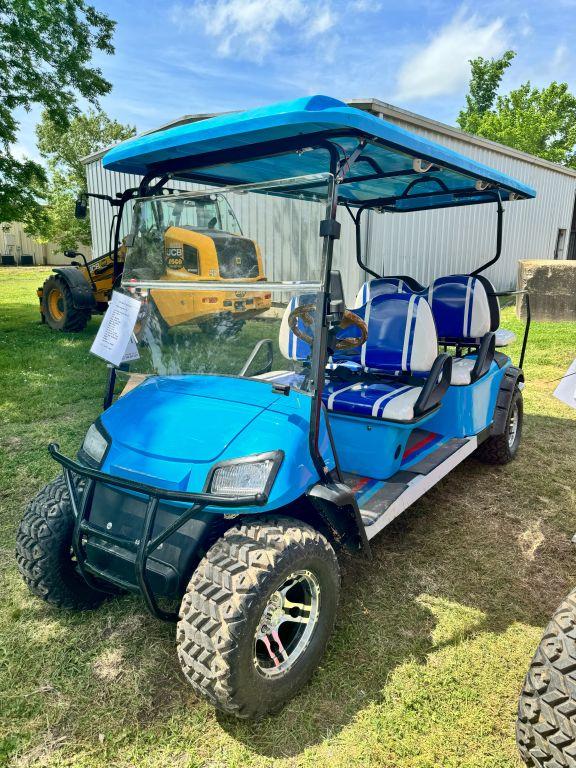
x=146, y=544
x=507, y=294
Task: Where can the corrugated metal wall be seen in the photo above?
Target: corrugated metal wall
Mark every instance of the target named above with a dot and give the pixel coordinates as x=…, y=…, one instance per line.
x=423, y=245
x=443, y=242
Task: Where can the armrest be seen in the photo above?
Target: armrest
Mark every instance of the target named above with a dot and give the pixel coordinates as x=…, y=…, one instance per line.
x=436, y=385
x=484, y=357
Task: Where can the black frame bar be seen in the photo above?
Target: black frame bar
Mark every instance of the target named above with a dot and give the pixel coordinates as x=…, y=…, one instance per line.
x=146, y=545
x=528, y=319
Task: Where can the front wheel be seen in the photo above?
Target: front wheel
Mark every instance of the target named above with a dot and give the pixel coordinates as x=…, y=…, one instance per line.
x=44, y=551
x=257, y=614
x=58, y=308
x=500, y=449
x=546, y=728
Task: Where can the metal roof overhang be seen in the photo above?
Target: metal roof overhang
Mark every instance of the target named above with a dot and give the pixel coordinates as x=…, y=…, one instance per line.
x=393, y=169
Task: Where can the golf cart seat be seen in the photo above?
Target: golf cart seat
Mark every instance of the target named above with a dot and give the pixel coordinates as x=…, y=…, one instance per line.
x=400, y=376
x=467, y=313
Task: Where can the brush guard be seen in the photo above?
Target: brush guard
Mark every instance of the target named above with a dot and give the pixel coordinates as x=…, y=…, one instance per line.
x=146, y=544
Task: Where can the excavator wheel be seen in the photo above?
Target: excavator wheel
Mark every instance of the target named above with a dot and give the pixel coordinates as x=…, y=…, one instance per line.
x=58, y=308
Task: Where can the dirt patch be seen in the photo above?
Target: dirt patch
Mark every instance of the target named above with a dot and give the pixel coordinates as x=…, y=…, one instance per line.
x=531, y=539
x=108, y=667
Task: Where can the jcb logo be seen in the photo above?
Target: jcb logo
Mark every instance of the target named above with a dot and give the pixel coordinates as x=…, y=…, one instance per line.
x=174, y=257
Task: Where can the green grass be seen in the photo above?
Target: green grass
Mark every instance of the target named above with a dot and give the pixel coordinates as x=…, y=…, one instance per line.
x=433, y=636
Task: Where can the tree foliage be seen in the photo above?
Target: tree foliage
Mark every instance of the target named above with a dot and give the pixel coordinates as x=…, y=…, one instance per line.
x=541, y=121
x=63, y=151
x=46, y=49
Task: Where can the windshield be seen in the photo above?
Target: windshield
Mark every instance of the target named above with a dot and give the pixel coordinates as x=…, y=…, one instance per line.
x=214, y=295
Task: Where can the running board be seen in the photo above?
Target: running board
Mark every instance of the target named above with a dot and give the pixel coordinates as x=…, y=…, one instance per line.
x=380, y=501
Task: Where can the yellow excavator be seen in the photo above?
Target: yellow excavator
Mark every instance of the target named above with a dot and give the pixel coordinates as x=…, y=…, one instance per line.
x=211, y=248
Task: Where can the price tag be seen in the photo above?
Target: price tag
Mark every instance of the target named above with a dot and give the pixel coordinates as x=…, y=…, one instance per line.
x=114, y=341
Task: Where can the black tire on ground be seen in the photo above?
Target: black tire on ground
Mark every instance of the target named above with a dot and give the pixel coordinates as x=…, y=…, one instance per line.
x=546, y=727
x=224, y=326
x=500, y=449
x=43, y=551
x=222, y=611
x=58, y=308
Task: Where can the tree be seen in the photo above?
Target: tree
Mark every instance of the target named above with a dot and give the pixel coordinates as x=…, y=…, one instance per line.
x=63, y=152
x=541, y=121
x=486, y=76
x=46, y=49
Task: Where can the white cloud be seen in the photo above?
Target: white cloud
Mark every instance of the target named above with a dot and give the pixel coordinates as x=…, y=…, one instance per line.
x=252, y=29
x=560, y=57
x=442, y=66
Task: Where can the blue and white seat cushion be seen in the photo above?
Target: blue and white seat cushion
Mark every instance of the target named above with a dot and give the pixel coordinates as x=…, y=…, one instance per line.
x=385, y=285
x=379, y=400
x=464, y=307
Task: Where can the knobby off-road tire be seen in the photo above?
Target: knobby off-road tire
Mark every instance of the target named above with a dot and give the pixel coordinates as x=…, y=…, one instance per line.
x=58, y=307
x=223, y=607
x=43, y=551
x=546, y=725
x=500, y=449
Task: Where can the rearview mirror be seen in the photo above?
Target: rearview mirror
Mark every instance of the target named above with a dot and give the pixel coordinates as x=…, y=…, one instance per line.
x=81, y=208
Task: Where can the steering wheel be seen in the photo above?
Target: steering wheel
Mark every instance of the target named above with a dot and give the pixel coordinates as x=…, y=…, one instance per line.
x=305, y=312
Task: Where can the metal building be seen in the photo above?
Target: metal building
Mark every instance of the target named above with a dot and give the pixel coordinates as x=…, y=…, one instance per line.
x=424, y=245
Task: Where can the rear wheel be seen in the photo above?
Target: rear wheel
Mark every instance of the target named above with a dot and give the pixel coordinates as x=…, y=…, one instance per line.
x=546, y=728
x=58, y=307
x=500, y=449
x=257, y=614
x=44, y=551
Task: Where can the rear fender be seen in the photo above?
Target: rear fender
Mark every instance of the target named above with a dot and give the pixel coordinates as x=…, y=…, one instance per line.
x=80, y=288
x=512, y=377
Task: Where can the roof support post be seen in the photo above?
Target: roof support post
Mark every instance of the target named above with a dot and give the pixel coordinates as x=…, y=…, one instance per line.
x=358, y=230
x=319, y=346
x=499, y=228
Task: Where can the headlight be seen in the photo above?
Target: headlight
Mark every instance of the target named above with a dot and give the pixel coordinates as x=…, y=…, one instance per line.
x=94, y=446
x=246, y=477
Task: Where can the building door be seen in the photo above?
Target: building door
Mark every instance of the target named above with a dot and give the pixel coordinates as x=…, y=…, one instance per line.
x=572, y=240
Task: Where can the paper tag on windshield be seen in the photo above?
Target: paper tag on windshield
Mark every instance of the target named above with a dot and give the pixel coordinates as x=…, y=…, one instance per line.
x=114, y=339
x=131, y=353
x=566, y=390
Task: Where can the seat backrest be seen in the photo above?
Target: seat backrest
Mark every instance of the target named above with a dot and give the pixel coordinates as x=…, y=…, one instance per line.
x=385, y=285
x=464, y=307
x=291, y=347
x=401, y=335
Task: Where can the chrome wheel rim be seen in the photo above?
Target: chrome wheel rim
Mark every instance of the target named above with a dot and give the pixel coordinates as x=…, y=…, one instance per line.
x=287, y=624
x=513, y=425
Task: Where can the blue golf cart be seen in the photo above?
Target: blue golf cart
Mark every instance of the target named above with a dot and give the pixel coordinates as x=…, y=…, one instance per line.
x=225, y=476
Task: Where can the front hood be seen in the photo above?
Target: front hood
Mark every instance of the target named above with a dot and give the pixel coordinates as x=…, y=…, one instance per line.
x=181, y=419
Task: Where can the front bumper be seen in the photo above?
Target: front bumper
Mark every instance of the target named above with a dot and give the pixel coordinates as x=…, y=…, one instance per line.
x=157, y=515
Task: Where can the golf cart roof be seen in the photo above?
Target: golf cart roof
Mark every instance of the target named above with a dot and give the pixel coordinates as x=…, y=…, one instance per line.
x=386, y=166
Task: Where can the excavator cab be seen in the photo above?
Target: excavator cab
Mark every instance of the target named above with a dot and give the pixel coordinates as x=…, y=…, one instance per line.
x=197, y=234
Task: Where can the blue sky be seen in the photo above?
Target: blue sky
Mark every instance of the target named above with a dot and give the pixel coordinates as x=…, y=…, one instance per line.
x=176, y=57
